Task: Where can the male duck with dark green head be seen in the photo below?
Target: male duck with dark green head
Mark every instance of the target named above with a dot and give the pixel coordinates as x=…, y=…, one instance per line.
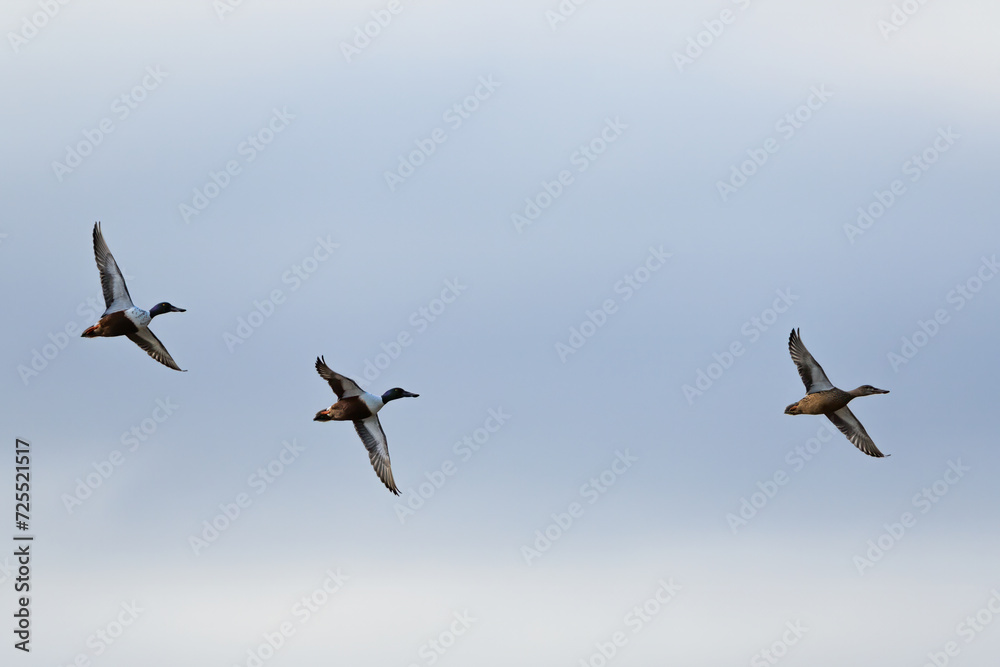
x=358, y=406
x=122, y=317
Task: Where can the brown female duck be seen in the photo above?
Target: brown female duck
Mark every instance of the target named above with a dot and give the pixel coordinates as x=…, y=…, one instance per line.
x=822, y=398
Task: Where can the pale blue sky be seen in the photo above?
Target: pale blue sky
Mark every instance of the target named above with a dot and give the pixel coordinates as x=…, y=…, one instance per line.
x=622, y=145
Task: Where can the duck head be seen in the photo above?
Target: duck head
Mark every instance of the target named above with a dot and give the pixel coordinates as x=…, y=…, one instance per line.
x=395, y=393
x=793, y=409
x=164, y=307
x=868, y=390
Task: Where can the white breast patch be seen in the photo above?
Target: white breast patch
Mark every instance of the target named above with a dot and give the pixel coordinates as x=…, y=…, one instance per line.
x=373, y=402
x=138, y=316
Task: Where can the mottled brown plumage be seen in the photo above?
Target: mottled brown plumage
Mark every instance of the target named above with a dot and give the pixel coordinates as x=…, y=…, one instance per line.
x=830, y=400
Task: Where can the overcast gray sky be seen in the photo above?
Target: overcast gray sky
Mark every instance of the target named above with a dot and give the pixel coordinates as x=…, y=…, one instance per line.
x=582, y=233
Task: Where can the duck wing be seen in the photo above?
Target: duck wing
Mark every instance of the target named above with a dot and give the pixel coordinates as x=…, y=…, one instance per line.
x=116, y=296
x=849, y=425
x=145, y=339
x=810, y=371
x=373, y=436
x=343, y=387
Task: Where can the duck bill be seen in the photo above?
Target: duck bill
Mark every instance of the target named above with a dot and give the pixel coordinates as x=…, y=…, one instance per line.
x=792, y=409
x=322, y=416
x=408, y=394
x=881, y=391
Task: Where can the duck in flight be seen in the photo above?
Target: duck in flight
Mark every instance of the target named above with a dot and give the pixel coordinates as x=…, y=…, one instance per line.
x=822, y=398
x=122, y=318
x=356, y=405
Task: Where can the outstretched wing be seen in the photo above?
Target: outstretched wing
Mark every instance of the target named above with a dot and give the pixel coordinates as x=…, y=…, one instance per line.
x=342, y=386
x=116, y=296
x=849, y=425
x=145, y=339
x=810, y=371
x=373, y=436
